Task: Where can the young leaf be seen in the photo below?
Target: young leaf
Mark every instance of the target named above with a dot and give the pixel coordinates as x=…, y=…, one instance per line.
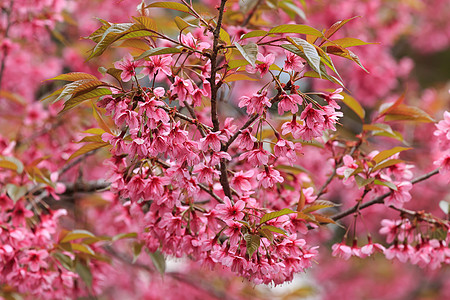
x=385, y=183
x=237, y=77
x=82, y=248
x=276, y=214
x=388, y=153
x=274, y=229
x=254, y=33
x=158, y=261
x=137, y=249
x=249, y=52
x=15, y=192
x=170, y=5
x=361, y=182
x=158, y=51
x=387, y=164
x=72, y=102
x=237, y=63
x=252, y=243
x=266, y=233
x=74, y=76
x=318, y=204
x=336, y=26
x=77, y=234
x=408, y=113
x=310, y=52
x=84, y=272
x=354, y=105
x=224, y=36
x=87, y=148
x=293, y=28
x=12, y=163
x=347, y=42
x=127, y=235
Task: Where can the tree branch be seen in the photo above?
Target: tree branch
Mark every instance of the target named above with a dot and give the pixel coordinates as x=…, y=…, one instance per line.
x=380, y=199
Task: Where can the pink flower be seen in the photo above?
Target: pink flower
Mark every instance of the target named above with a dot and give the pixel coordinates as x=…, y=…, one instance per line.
x=291, y=127
x=293, y=62
x=212, y=140
x=156, y=64
x=349, y=166
x=246, y=140
x=371, y=248
x=289, y=103
x=331, y=117
x=400, y=196
x=312, y=116
x=332, y=97
x=342, y=251
x=443, y=127
x=390, y=228
x=444, y=164
x=256, y=157
x=128, y=67
x=263, y=64
x=181, y=88
x=242, y=181
x=35, y=259
x=255, y=104
x=206, y=174
x=269, y=177
x=231, y=211
x=285, y=148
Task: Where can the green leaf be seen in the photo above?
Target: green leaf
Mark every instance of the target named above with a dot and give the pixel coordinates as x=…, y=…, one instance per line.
x=254, y=33
x=87, y=148
x=15, y=192
x=253, y=242
x=318, y=204
x=170, y=5
x=385, y=183
x=158, y=261
x=361, y=182
x=238, y=77
x=347, y=42
x=266, y=233
x=354, y=105
x=68, y=89
x=224, y=36
x=293, y=28
x=292, y=9
x=74, y=76
x=387, y=164
x=84, y=272
x=82, y=248
x=249, y=52
x=388, y=153
x=65, y=260
x=237, y=63
x=137, y=249
x=158, y=51
x=181, y=24
x=274, y=229
x=115, y=73
x=404, y=112
x=74, y=101
x=147, y=22
x=310, y=53
x=99, y=119
x=12, y=163
x=77, y=234
x=97, y=131
x=127, y=235
x=276, y=214
x=336, y=26
x=91, y=139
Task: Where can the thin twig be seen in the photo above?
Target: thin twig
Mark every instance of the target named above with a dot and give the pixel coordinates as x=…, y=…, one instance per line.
x=380, y=199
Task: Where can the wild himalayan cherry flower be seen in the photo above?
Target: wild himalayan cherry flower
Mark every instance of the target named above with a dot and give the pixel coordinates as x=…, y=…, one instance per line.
x=190, y=41
x=400, y=251
x=212, y=140
x=255, y=104
x=348, y=167
x=35, y=259
x=263, y=64
x=242, y=180
x=289, y=103
x=400, y=196
x=206, y=173
x=230, y=211
x=157, y=63
x=285, y=148
x=332, y=97
x=269, y=177
x=331, y=117
x=342, y=251
x=312, y=116
x=443, y=127
x=309, y=195
x=256, y=157
x=444, y=164
x=291, y=127
x=371, y=248
x=182, y=88
x=293, y=62
x=128, y=67
x=246, y=140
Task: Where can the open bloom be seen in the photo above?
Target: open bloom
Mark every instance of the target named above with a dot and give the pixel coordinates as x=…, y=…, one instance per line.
x=230, y=211
x=128, y=67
